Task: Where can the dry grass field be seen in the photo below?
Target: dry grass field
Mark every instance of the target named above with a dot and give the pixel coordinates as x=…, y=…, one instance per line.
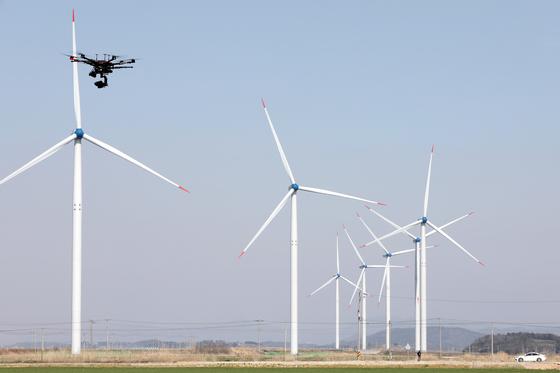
x=240, y=359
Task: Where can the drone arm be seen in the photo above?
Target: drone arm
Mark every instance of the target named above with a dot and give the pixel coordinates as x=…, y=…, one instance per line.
x=83, y=60
x=124, y=62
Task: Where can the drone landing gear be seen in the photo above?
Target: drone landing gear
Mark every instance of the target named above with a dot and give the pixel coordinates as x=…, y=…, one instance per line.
x=102, y=83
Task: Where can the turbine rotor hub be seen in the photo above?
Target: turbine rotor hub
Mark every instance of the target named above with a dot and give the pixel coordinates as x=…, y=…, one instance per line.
x=417, y=240
x=387, y=255
x=424, y=219
x=294, y=186
x=79, y=133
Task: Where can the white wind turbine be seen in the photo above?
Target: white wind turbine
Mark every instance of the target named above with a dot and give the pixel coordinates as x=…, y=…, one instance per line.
x=420, y=248
x=362, y=279
x=336, y=277
x=292, y=195
x=386, y=282
x=76, y=137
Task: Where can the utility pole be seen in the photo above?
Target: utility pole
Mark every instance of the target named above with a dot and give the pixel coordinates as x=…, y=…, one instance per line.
x=389, y=339
x=259, y=335
x=492, y=342
x=42, y=342
x=440, y=347
x=34, y=341
x=107, y=332
x=285, y=342
x=91, y=322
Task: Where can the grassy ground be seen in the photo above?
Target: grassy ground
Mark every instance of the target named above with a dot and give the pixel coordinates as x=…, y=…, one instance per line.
x=252, y=370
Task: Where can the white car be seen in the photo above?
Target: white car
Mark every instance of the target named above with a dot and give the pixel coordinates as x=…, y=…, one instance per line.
x=530, y=356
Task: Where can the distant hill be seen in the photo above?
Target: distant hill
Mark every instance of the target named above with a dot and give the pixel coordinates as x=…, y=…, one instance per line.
x=516, y=343
x=452, y=339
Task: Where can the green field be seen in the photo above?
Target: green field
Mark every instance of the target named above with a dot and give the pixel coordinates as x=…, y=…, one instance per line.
x=255, y=370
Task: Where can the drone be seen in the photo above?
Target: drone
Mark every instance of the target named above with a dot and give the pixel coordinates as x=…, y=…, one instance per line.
x=103, y=66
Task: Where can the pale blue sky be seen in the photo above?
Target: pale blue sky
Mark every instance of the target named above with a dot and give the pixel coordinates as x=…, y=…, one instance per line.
x=358, y=92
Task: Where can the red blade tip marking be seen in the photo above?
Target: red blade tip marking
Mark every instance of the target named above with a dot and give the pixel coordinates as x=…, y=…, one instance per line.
x=433, y=147
x=381, y=204
x=362, y=246
x=357, y=214
x=183, y=189
x=263, y=103
x=482, y=264
x=471, y=213
x=240, y=255
x=73, y=16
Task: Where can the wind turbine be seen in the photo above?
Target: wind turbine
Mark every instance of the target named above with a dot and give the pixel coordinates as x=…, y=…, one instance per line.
x=420, y=249
x=76, y=137
x=294, y=188
x=362, y=279
x=386, y=282
x=336, y=277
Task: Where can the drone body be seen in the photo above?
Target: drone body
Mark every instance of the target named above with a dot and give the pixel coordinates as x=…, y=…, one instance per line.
x=103, y=66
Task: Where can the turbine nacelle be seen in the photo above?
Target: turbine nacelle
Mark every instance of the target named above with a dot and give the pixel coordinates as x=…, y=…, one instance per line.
x=417, y=240
x=423, y=220
x=294, y=186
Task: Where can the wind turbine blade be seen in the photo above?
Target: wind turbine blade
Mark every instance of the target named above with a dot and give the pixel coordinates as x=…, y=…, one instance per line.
x=427, y=192
x=372, y=234
x=393, y=233
x=268, y=220
x=337, y=256
x=126, y=157
x=450, y=223
x=336, y=194
x=383, y=266
x=322, y=286
x=405, y=251
x=357, y=287
x=279, y=145
x=350, y=282
x=383, y=281
x=454, y=242
x=76, y=84
x=395, y=225
x=354, y=246
x=410, y=250
x=41, y=157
